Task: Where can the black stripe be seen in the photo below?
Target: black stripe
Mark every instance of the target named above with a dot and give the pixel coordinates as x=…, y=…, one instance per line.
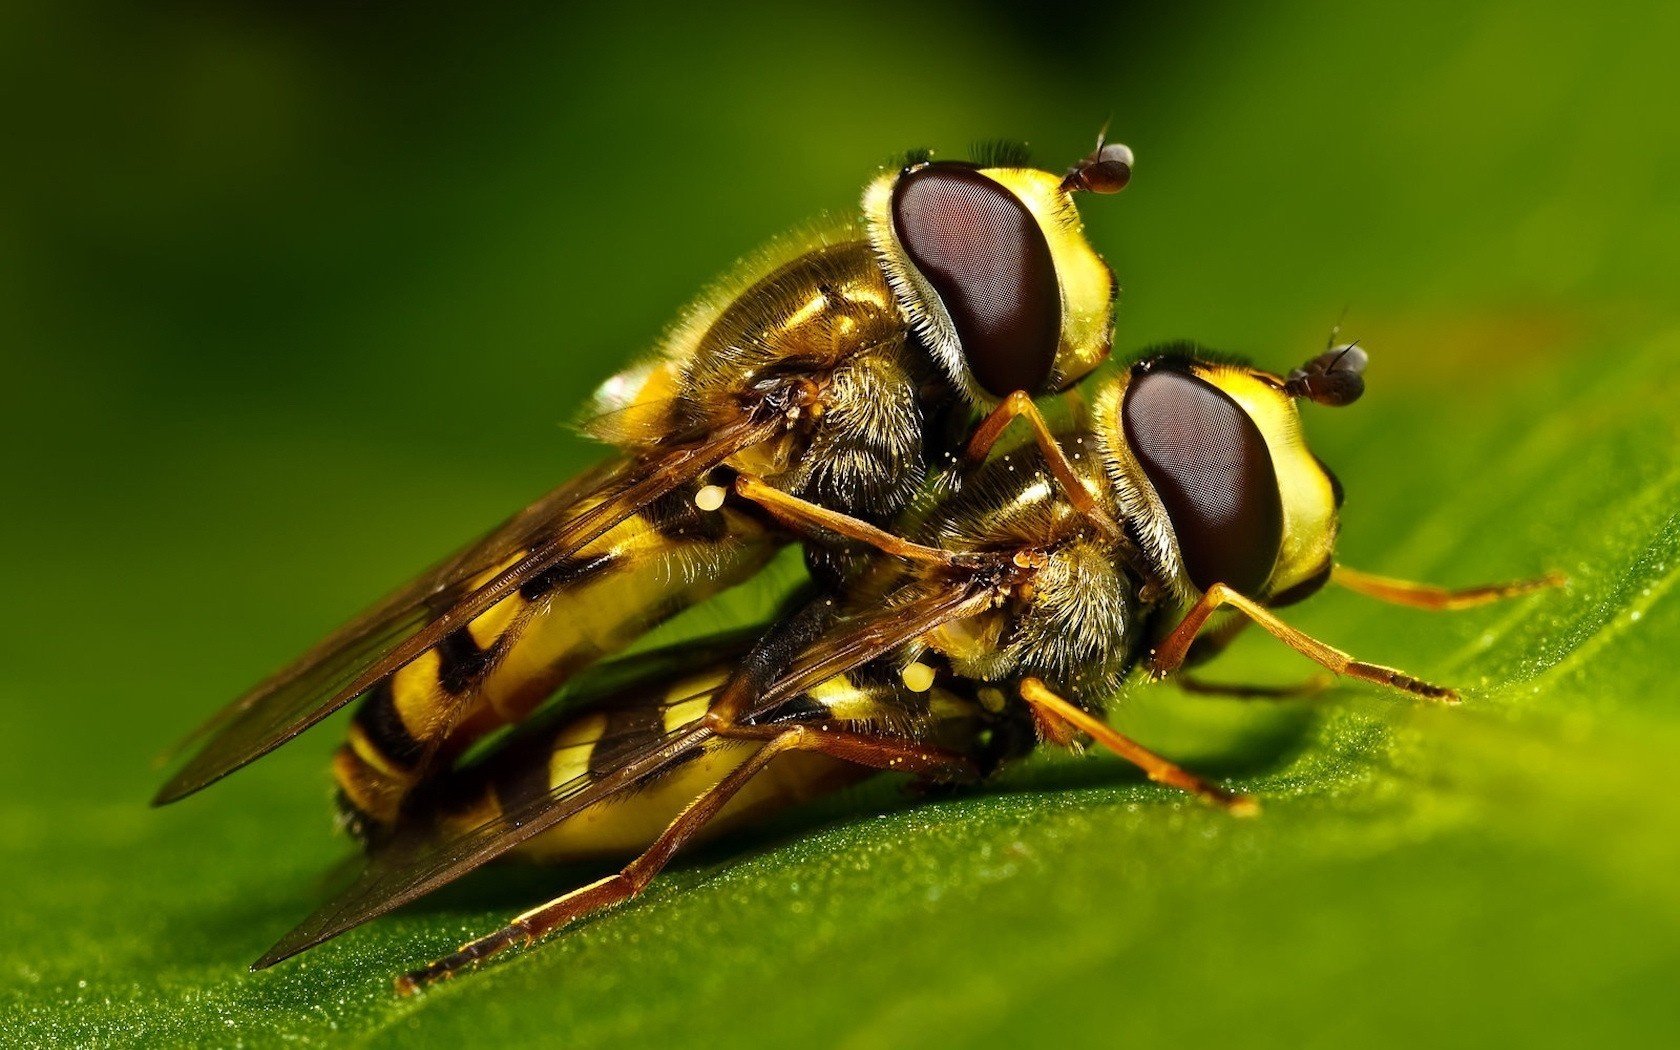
x=461, y=663
x=629, y=729
x=675, y=517
x=798, y=709
x=522, y=775
x=384, y=729
x=361, y=827
x=567, y=573
x=647, y=780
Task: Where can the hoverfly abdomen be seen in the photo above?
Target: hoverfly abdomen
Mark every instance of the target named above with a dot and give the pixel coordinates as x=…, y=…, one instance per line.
x=540, y=761
x=496, y=670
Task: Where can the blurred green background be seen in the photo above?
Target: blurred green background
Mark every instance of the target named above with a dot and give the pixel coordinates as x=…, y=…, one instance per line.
x=294, y=297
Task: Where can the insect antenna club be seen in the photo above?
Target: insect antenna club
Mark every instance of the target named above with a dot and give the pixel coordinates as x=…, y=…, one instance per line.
x=951, y=624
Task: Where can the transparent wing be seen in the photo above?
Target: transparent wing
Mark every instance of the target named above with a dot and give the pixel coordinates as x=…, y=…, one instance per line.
x=447, y=597
x=420, y=860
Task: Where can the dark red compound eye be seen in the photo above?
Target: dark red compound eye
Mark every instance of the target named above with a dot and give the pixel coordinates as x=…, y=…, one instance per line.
x=1210, y=466
x=984, y=254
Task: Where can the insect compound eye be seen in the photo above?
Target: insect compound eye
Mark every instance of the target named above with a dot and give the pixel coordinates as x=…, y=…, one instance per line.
x=1210, y=466
x=1335, y=377
x=986, y=256
x=1106, y=170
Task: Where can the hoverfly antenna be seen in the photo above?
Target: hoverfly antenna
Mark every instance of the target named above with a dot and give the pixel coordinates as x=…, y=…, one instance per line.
x=1105, y=169
x=1336, y=330
x=1334, y=378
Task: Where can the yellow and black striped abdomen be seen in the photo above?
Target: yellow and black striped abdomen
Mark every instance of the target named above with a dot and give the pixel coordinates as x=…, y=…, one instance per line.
x=498, y=668
x=595, y=743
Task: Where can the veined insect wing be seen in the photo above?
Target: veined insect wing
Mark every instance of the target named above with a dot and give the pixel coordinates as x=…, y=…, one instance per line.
x=417, y=860
x=442, y=600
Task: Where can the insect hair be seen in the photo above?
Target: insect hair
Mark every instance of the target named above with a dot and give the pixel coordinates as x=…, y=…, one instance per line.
x=1000, y=153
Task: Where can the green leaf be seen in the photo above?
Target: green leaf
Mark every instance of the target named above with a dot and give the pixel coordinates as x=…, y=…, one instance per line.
x=308, y=329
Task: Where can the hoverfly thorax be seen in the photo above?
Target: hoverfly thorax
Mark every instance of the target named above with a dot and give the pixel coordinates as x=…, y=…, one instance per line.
x=992, y=267
x=1214, y=476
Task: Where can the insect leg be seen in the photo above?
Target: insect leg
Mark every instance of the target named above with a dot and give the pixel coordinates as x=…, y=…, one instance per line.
x=1052, y=708
x=804, y=516
x=1428, y=596
x=768, y=659
x=864, y=749
x=1210, y=643
x=1169, y=656
x=1019, y=405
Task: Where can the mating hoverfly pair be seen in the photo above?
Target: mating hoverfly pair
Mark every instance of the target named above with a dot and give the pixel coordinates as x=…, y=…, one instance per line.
x=845, y=388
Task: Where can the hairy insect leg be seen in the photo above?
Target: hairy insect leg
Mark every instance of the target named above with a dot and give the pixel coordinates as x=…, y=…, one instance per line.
x=1050, y=707
x=1019, y=406
x=1429, y=596
x=805, y=516
x=862, y=748
x=769, y=658
x=1169, y=655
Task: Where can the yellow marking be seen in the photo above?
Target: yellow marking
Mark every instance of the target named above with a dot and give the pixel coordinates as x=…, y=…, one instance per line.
x=573, y=747
x=627, y=823
x=810, y=310
x=608, y=611
x=364, y=787
x=917, y=677
x=843, y=699
x=368, y=753
x=991, y=698
x=485, y=808
x=629, y=408
x=944, y=704
x=1309, y=505
x=710, y=497
x=688, y=700
x=687, y=711
x=490, y=623
x=1087, y=284
x=767, y=458
x=414, y=695
x=969, y=638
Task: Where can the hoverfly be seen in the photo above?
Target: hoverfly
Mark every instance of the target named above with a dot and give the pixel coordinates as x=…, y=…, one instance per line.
x=817, y=367
x=1002, y=614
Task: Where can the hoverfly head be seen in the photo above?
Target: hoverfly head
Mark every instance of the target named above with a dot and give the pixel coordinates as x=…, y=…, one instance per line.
x=1224, y=488
x=989, y=261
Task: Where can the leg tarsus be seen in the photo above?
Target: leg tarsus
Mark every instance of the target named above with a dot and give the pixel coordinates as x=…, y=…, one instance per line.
x=1434, y=598
x=1049, y=706
x=1169, y=655
x=865, y=749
